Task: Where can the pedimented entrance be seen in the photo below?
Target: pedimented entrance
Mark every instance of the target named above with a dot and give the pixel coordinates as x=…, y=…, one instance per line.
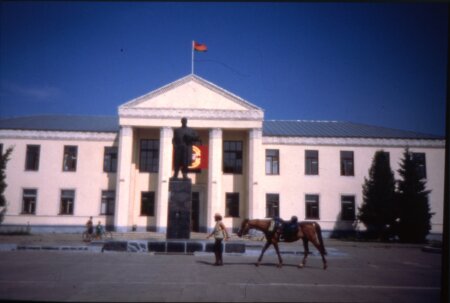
x=215, y=113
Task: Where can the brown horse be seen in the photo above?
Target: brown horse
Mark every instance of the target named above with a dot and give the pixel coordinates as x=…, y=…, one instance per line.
x=307, y=231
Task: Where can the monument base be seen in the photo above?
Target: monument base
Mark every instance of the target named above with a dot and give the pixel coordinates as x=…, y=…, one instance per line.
x=179, y=212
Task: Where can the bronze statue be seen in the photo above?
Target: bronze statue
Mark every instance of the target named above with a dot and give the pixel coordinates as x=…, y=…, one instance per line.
x=183, y=139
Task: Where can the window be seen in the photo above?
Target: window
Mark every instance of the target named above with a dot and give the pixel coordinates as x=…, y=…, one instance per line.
x=311, y=162
x=32, y=157
x=110, y=160
x=70, y=158
x=347, y=163
x=312, y=206
x=67, y=202
x=419, y=158
x=1, y=149
x=232, y=157
x=348, y=208
x=272, y=162
x=29, y=201
x=107, y=203
x=148, y=203
x=149, y=156
x=232, y=205
x=272, y=205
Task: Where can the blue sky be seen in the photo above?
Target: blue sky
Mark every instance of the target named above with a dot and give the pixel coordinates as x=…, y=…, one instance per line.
x=375, y=63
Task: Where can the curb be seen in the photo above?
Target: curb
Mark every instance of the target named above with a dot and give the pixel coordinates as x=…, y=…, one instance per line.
x=135, y=246
x=171, y=246
x=16, y=247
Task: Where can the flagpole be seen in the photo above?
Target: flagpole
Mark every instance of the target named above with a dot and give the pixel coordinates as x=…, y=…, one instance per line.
x=192, y=63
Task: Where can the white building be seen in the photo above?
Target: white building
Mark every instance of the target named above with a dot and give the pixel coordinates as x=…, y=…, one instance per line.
x=66, y=168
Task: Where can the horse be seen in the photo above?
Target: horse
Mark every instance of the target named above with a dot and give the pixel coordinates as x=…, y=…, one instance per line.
x=307, y=231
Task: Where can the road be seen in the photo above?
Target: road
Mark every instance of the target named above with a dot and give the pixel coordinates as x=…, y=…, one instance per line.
x=356, y=273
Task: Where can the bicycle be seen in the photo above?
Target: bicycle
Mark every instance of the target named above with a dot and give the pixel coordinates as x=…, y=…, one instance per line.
x=87, y=237
x=104, y=235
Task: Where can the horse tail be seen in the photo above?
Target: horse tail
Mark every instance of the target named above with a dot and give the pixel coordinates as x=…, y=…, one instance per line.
x=319, y=236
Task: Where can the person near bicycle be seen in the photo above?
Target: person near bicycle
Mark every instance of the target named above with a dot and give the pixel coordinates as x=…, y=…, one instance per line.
x=99, y=230
x=90, y=227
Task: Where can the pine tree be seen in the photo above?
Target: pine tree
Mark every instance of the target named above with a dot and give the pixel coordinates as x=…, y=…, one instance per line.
x=415, y=214
x=4, y=158
x=377, y=209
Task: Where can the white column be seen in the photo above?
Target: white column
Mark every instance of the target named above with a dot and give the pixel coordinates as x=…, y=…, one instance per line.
x=165, y=172
x=214, y=203
x=256, y=201
x=121, y=216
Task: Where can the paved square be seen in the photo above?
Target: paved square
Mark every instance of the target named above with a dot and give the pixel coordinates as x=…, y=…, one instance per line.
x=357, y=273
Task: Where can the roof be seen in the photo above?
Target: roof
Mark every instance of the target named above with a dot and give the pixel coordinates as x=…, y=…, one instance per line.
x=271, y=128
x=301, y=128
x=62, y=123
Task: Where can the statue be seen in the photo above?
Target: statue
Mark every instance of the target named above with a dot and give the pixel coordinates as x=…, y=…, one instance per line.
x=183, y=139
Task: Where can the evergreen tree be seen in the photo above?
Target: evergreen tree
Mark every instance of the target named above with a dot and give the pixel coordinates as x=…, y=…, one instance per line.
x=3, y=160
x=414, y=214
x=377, y=209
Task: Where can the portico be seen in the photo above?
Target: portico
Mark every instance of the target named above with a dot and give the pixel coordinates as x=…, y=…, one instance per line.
x=216, y=115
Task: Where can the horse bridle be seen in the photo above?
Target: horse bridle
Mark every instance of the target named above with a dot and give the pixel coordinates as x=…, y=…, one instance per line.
x=244, y=228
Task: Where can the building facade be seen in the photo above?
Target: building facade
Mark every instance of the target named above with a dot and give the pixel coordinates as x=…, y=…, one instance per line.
x=65, y=169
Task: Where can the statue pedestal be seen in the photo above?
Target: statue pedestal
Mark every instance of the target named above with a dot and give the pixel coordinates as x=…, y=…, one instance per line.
x=179, y=212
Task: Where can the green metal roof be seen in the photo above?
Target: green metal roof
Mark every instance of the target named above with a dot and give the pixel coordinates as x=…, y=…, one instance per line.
x=271, y=128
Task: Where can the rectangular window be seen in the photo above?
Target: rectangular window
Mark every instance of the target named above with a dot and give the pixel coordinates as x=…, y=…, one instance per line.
x=148, y=203
x=419, y=158
x=347, y=163
x=110, y=160
x=311, y=162
x=149, y=156
x=272, y=205
x=107, y=203
x=272, y=162
x=70, y=158
x=232, y=157
x=67, y=202
x=29, y=201
x=232, y=205
x=32, y=157
x=312, y=206
x=348, y=208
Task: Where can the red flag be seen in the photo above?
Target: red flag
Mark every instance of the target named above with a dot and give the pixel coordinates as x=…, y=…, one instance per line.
x=200, y=47
x=199, y=157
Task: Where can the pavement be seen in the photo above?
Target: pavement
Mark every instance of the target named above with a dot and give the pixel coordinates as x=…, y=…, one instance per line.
x=357, y=272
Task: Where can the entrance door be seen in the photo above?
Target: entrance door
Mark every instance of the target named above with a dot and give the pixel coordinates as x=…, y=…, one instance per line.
x=195, y=212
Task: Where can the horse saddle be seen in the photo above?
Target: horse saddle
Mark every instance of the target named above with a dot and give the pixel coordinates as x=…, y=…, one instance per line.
x=287, y=229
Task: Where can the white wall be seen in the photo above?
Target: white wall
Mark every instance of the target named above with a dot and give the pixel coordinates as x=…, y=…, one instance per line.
x=88, y=181
x=292, y=184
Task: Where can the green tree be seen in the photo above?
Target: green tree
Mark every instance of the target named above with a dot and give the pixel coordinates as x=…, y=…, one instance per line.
x=414, y=209
x=4, y=158
x=377, y=209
